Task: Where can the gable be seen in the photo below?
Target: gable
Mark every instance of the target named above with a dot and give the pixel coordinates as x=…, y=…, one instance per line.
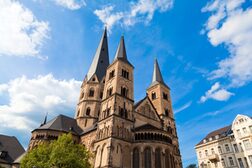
x=146, y=109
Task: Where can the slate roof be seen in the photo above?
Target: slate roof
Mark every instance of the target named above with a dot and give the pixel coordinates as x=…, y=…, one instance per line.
x=157, y=76
x=101, y=59
x=11, y=148
x=62, y=123
x=222, y=132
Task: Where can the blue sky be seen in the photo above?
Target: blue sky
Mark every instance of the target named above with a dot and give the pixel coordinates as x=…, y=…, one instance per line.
x=203, y=48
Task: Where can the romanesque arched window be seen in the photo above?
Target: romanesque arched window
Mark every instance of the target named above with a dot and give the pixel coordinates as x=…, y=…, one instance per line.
x=147, y=157
x=91, y=92
x=135, y=158
x=88, y=111
x=124, y=91
x=153, y=95
x=158, y=157
x=167, y=159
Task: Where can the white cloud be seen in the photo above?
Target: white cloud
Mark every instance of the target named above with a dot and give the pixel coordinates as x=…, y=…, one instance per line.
x=71, y=4
x=231, y=25
x=216, y=93
x=21, y=33
x=108, y=17
x=185, y=106
x=30, y=98
x=140, y=11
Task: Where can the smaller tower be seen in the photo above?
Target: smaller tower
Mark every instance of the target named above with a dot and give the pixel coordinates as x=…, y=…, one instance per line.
x=88, y=107
x=159, y=94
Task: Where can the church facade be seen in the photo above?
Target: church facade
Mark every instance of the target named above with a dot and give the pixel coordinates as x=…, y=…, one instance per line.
x=119, y=132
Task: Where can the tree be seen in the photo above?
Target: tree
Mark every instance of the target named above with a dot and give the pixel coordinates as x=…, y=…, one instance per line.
x=62, y=153
x=192, y=166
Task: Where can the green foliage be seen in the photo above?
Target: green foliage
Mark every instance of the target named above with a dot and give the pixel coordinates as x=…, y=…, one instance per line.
x=62, y=153
x=191, y=166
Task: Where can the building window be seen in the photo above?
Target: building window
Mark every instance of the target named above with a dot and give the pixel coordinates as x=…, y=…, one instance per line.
x=206, y=152
x=236, y=148
x=85, y=123
x=78, y=113
x=227, y=148
x=240, y=163
x=247, y=144
x=241, y=147
x=244, y=130
x=167, y=112
x=136, y=158
x=108, y=112
x=219, y=149
x=125, y=74
x=212, y=150
x=93, y=79
x=147, y=157
x=158, y=158
x=101, y=94
x=165, y=96
x=153, y=95
x=91, y=92
x=112, y=74
x=223, y=162
x=238, y=133
x=200, y=155
x=231, y=161
x=109, y=92
x=88, y=111
x=124, y=91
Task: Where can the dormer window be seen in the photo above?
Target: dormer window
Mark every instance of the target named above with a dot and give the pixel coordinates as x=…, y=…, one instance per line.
x=3, y=154
x=153, y=95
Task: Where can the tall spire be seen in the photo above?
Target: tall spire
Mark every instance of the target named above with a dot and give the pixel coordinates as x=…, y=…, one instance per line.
x=101, y=59
x=157, y=76
x=121, y=51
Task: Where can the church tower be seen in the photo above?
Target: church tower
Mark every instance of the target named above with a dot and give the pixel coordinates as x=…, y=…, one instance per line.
x=159, y=94
x=88, y=107
x=116, y=120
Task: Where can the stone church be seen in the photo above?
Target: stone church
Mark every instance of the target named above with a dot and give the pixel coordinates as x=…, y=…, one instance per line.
x=119, y=132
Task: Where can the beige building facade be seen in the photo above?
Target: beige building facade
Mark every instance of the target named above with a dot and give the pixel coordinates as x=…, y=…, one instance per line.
x=119, y=132
x=228, y=147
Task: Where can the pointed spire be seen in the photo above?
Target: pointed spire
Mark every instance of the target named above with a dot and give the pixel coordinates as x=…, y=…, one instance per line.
x=45, y=120
x=157, y=76
x=101, y=59
x=121, y=51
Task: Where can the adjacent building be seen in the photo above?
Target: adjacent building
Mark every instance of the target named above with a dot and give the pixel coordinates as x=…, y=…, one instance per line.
x=10, y=150
x=227, y=147
x=120, y=132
